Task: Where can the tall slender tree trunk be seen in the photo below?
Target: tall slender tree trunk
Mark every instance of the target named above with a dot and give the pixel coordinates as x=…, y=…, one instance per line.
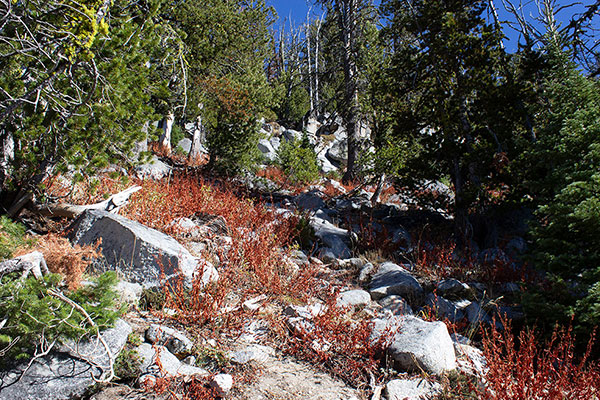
x=378, y=190
x=347, y=20
x=310, y=76
x=165, y=138
x=461, y=217
x=317, y=41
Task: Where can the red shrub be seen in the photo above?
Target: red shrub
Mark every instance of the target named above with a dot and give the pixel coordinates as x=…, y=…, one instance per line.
x=338, y=344
x=526, y=369
x=255, y=263
x=441, y=260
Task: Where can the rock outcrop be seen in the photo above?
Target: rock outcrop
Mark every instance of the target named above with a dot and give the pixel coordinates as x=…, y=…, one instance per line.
x=140, y=254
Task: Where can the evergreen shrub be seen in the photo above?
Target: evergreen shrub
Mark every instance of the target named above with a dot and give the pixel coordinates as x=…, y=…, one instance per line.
x=299, y=161
x=36, y=319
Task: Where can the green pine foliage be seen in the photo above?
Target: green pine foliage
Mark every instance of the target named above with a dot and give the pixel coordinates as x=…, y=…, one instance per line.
x=565, y=172
x=227, y=43
x=448, y=89
x=12, y=237
x=36, y=317
x=298, y=160
x=91, y=104
x=295, y=104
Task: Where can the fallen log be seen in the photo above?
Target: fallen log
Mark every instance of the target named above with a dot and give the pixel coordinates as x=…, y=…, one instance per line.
x=112, y=204
x=33, y=262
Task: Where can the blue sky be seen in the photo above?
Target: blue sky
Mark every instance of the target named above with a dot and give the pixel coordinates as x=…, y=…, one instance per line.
x=298, y=9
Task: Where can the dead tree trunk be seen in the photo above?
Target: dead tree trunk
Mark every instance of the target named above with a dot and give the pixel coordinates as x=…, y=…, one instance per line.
x=310, y=77
x=165, y=138
x=33, y=262
x=378, y=190
x=317, y=40
x=113, y=204
x=347, y=21
x=197, y=140
x=8, y=155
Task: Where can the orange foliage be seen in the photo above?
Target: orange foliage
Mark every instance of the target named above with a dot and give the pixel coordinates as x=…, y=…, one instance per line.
x=64, y=258
x=338, y=344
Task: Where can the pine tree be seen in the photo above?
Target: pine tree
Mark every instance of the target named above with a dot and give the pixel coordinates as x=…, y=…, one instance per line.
x=564, y=177
x=227, y=44
x=449, y=92
x=82, y=103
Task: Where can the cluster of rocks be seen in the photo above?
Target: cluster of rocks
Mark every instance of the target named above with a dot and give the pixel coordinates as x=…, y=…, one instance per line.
x=389, y=293
x=327, y=135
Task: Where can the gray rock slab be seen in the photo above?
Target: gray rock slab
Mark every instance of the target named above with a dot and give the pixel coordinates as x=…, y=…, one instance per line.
x=275, y=142
x=353, y=298
x=476, y=314
x=412, y=389
x=391, y=279
x=291, y=135
x=417, y=345
x=59, y=375
x=140, y=254
x=443, y=308
x=396, y=305
x=324, y=163
x=221, y=384
x=309, y=201
x=354, y=264
x=327, y=255
x=339, y=151
x=175, y=341
x=128, y=292
x=452, y=287
x=171, y=366
x=267, y=149
x=470, y=359
x=185, y=144
x=155, y=169
x=334, y=238
x=256, y=353
x=365, y=272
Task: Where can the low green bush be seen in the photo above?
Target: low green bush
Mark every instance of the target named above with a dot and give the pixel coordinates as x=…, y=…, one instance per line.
x=128, y=362
x=35, y=318
x=299, y=161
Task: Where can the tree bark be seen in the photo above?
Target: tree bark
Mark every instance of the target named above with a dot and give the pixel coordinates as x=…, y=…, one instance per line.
x=378, y=190
x=461, y=217
x=8, y=155
x=165, y=139
x=310, y=76
x=33, y=262
x=197, y=140
x=347, y=20
x=113, y=204
x=317, y=41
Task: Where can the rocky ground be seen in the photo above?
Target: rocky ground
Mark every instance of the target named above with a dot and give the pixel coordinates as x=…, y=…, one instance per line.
x=413, y=314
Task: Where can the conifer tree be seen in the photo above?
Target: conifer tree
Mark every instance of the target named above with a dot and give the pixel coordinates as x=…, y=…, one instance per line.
x=564, y=177
x=81, y=99
x=449, y=91
x=227, y=44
